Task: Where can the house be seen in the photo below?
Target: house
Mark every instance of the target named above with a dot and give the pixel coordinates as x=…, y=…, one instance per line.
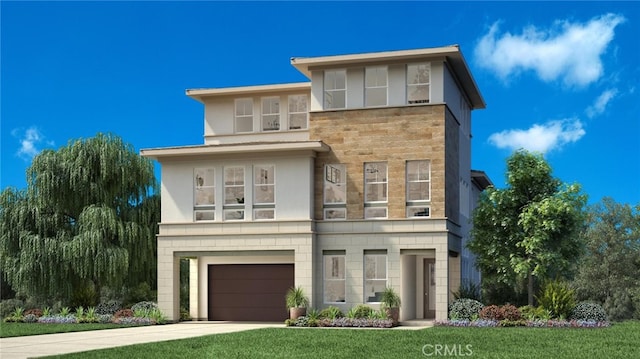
x=356, y=180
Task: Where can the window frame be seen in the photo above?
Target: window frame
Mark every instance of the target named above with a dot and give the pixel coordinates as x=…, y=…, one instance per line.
x=410, y=84
x=243, y=116
x=200, y=210
x=266, y=103
x=237, y=207
x=264, y=171
x=340, y=256
x=377, y=256
x=330, y=91
x=376, y=86
x=372, y=206
x=296, y=111
x=419, y=177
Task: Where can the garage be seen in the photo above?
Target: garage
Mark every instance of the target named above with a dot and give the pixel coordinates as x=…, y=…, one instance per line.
x=249, y=292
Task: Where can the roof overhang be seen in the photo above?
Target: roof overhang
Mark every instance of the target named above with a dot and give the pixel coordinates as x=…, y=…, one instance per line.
x=480, y=179
x=200, y=94
x=234, y=149
x=451, y=54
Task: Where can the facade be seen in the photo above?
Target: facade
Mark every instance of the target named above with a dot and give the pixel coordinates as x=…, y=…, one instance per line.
x=354, y=181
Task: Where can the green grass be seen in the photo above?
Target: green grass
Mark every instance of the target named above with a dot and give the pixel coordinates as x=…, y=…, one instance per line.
x=619, y=341
x=23, y=329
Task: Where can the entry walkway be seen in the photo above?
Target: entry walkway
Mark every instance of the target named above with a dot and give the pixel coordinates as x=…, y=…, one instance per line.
x=63, y=343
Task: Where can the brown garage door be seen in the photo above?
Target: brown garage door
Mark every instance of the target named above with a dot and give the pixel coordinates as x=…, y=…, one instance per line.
x=249, y=292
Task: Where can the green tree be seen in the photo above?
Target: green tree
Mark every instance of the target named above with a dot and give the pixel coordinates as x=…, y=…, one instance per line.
x=528, y=230
x=87, y=219
x=610, y=271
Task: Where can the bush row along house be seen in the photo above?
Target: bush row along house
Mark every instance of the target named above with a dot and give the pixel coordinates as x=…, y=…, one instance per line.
x=356, y=180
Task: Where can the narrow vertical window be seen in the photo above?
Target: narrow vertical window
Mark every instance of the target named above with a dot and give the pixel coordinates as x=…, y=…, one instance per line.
x=244, y=115
x=375, y=190
x=271, y=114
x=375, y=275
x=375, y=86
x=298, y=112
x=335, y=89
x=418, y=77
x=334, y=275
x=234, y=193
x=204, y=194
x=264, y=192
x=335, y=191
x=418, y=188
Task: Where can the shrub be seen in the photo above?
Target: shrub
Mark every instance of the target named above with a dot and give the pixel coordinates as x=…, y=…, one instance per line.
x=468, y=289
x=30, y=318
x=16, y=316
x=123, y=313
x=110, y=307
x=9, y=305
x=511, y=312
x=184, y=314
x=90, y=315
x=145, y=305
x=133, y=321
x=58, y=319
x=356, y=322
x=619, y=305
x=465, y=308
x=534, y=313
x=558, y=298
x=588, y=311
x=491, y=312
x=331, y=312
x=35, y=311
x=359, y=311
x=104, y=318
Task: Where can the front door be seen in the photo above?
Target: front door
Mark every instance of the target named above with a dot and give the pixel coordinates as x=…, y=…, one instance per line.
x=429, y=288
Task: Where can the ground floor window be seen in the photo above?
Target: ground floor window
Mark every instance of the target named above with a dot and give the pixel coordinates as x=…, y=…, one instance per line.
x=334, y=277
x=375, y=275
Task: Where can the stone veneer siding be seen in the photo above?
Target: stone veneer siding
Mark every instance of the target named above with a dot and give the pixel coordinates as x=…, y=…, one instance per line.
x=394, y=135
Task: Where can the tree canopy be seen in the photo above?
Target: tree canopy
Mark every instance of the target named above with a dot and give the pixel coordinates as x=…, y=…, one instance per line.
x=530, y=229
x=609, y=273
x=88, y=216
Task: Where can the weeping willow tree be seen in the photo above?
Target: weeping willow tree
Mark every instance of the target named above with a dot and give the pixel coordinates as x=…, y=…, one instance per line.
x=88, y=216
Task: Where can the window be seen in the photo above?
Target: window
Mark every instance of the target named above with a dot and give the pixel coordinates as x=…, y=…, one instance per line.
x=244, y=115
x=298, y=112
x=334, y=277
x=204, y=194
x=418, y=188
x=271, y=114
x=264, y=182
x=375, y=86
x=418, y=83
x=233, y=193
x=335, y=89
x=375, y=190
x=335, y=191
x=375, y=275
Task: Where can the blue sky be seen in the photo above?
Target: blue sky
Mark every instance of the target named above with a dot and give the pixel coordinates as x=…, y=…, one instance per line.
x=560, y=78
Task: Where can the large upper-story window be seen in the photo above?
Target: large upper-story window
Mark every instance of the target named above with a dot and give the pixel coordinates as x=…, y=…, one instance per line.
x=335, y=89
x=264, y=193
x=375, y=86
x=244, y=115
x=233, y=193
x=298, y=112
x=418, y=83
x=335, y=191
x=204, y=194
x=418, y=188
x=270, y=114
x=375, y=190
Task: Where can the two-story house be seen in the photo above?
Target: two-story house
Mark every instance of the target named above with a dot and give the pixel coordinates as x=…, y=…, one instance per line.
x=354, y=181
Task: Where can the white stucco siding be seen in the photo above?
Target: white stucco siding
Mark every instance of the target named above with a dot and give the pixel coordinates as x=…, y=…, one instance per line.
x=293, y=195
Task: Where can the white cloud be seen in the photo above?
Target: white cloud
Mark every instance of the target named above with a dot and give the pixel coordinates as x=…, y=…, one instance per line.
x=30, y=142
x=567, y=51
x=540, y=138
x=601, y=103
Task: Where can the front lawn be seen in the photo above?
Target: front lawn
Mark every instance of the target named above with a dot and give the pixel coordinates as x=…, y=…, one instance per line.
x=619, y=341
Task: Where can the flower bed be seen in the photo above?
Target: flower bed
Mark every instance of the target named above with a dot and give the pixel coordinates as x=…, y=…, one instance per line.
x=524, y=323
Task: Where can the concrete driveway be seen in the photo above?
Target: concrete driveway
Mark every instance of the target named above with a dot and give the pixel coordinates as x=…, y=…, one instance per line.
x=62, y=343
